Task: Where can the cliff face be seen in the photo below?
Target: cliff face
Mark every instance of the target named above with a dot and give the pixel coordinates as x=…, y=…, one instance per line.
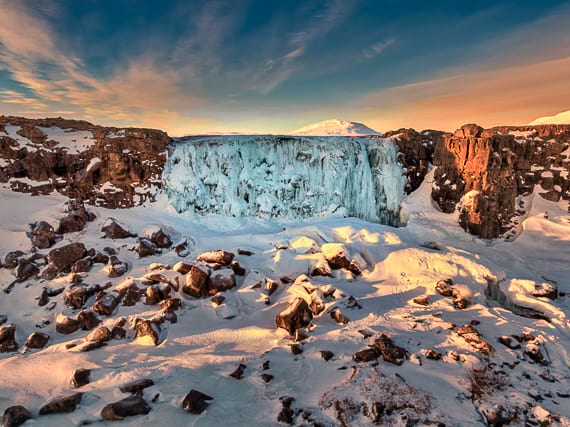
x=486, y=170
x=105, y=166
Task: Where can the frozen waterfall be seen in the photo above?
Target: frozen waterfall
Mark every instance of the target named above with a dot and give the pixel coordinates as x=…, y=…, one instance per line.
x=286, y=177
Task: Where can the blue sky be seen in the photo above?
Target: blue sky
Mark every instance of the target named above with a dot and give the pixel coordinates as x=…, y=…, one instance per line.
x=249, y=65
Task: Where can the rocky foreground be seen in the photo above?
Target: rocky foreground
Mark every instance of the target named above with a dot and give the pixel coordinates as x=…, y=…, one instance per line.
x=107, y=317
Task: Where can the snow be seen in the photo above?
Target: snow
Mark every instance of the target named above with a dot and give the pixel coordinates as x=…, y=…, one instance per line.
x=335, y=127
x=12, y=132
x=522, y=133
x=560, y=118
x=209, y=342
x=286, y=177
x=71, y=140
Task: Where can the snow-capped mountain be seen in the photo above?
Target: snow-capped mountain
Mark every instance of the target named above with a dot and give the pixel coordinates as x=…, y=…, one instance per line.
x=557, y=119
x=335, y=127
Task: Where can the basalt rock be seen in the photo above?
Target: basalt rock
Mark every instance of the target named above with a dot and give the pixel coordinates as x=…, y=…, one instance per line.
x=60, y=405
x=297, y=315
x=196, y=282
x=37, y=340
x=99, y=165
x=8, y=338
x=389, y=350
x=66, y=325
x=80, y=377
x=112, y=229
x=43, y=235
x=105, y=303
x=26, y=269
x=136, y=386
x=128, y=407
x=65, y=256
x=486, y=170
x=88, y=320
x=11, y=259
x=196, y=402
x=15, y=416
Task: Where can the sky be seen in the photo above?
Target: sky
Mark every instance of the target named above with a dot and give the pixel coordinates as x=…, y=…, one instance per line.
x=193, y=66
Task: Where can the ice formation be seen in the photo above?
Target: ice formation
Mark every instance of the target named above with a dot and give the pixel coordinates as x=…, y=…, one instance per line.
x=286, y=177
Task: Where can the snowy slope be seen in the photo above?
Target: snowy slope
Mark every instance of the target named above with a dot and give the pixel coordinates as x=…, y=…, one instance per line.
x=335, y=127
x=208, y=342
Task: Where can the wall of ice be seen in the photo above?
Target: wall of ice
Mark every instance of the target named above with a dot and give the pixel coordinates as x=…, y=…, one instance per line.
x=286, y=177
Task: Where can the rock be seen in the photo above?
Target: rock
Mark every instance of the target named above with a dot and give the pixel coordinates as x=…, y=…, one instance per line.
x=26, y=269
x=296, y=349
x=153, y=295
x=321, y=268
x=366, y=355
x=423, y=300
x=49, y=272
x=90, y=346
x=37, y=340
x=221, y=281
x=148, y=332
x=105, y=303
x=219, y=257
x=245, y=252
x=88, y=320
x=496, y=416
x=338, y=317
x=64, y=256
x=112, y=229
x=43, y=235
x=297, y=315
x=170, y=304
x=266, y=377
x=237, y=268
x=337, y=255
x=461, y=302
x=432, y=245
x=66, y=325
x=128, y=407
x=71, y=223
x=116, y=267
x=286, y=414
x=182, y=267
x=545, y=290
x=60, y=405
x=218, y=299
x=509, y=342
x=532, y=350
x=196, y=282
x=326, y=355
x=445, y=288
x=11, y=259
x=8, y=342
x=130, y=297
x=136, y=386
x=196, y=402
x=15, y=416
x=80, y=377
x=44, y=298
x=146, y=248
x=100, y=258
x=432, y=354
x=474, y=338
x=101, y=334
x=389, y=350
x=82, y=265
x=161, y=239
x=238, y=373
x=77, y=295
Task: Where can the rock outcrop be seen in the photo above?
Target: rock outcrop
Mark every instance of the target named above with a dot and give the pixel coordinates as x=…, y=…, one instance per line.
x=104, y=166
x=482, y=171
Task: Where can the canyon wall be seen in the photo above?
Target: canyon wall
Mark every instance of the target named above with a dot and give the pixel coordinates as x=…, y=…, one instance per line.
x=105, y=166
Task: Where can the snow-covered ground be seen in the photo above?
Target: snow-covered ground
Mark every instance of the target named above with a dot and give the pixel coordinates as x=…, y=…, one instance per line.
x=208, y=342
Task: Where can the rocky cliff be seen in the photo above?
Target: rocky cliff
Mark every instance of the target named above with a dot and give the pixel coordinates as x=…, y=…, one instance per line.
x=104, y=166
x=483, y=171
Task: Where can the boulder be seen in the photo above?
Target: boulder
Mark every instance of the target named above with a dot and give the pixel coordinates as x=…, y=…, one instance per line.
x=182, y=267
x=423, y=300
x=112, y=229
x=136, y=386
x=43, y=235
x=326, y=355
x=77, y=295
x=26, y=269
x=11, y=259
x=338, y=317
x=221, y=281
x=160, y=238
x=445, y=288
x=475, y=340
x=127, y=407
x=116, y=267
x=238, y=372
x=105, y=303
x=71, y=223
x=336, y=255
x=196, y=402
x=297, y=315
x=101, y=334
x=100, y=258
x=389, y=351
x=80, y=377
x=82, y=265
x=366, y=355
x=196, y=282
x=170, y=304
x=64, y=256
x=321, y=268
x=8, y=342
x=66, y=325
x=37, y=340
x=148, y=332
x=49, y=272
x=146, y=248
x=15, y=416
x=88, y=320
x=63, y=404
x=218, y=257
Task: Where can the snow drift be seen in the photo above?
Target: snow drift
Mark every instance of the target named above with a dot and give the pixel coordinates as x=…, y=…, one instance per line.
x=286, y=177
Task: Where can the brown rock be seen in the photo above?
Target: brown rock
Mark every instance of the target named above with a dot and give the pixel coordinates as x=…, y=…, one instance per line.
x=105, y=303
x=101, y=334
x=43, y=235
x=77, y=295
x=26, y=269
x=148, y=330
x=338, y=317
x=474, y=338
x=88, y=320
x=219, y=257
x=389, y=350
x=8, y=342
x=146, y=248
x=82, y=265
x=64, y=256
x=80, y=377
x=238, y=373
x=196, y=282
x=136, y=386
x=221, y=281
x=66, y=325
x=112, y=229
x=11, y=259
x=161, y=239
x=60, y=405
x=196, y=402
x=37, y=340
x=116, y=267
x=15, y=416
x=128, y=407
x=296, y=316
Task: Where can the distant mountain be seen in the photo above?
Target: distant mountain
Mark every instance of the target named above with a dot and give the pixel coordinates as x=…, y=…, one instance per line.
x=558, y=119
x=335, y=127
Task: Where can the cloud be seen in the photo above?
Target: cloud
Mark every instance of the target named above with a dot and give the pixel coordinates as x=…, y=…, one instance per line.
x=377, y=48
x=560, y=119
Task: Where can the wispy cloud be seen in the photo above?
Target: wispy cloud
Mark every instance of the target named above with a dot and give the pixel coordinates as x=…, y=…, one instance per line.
x=377, y=48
